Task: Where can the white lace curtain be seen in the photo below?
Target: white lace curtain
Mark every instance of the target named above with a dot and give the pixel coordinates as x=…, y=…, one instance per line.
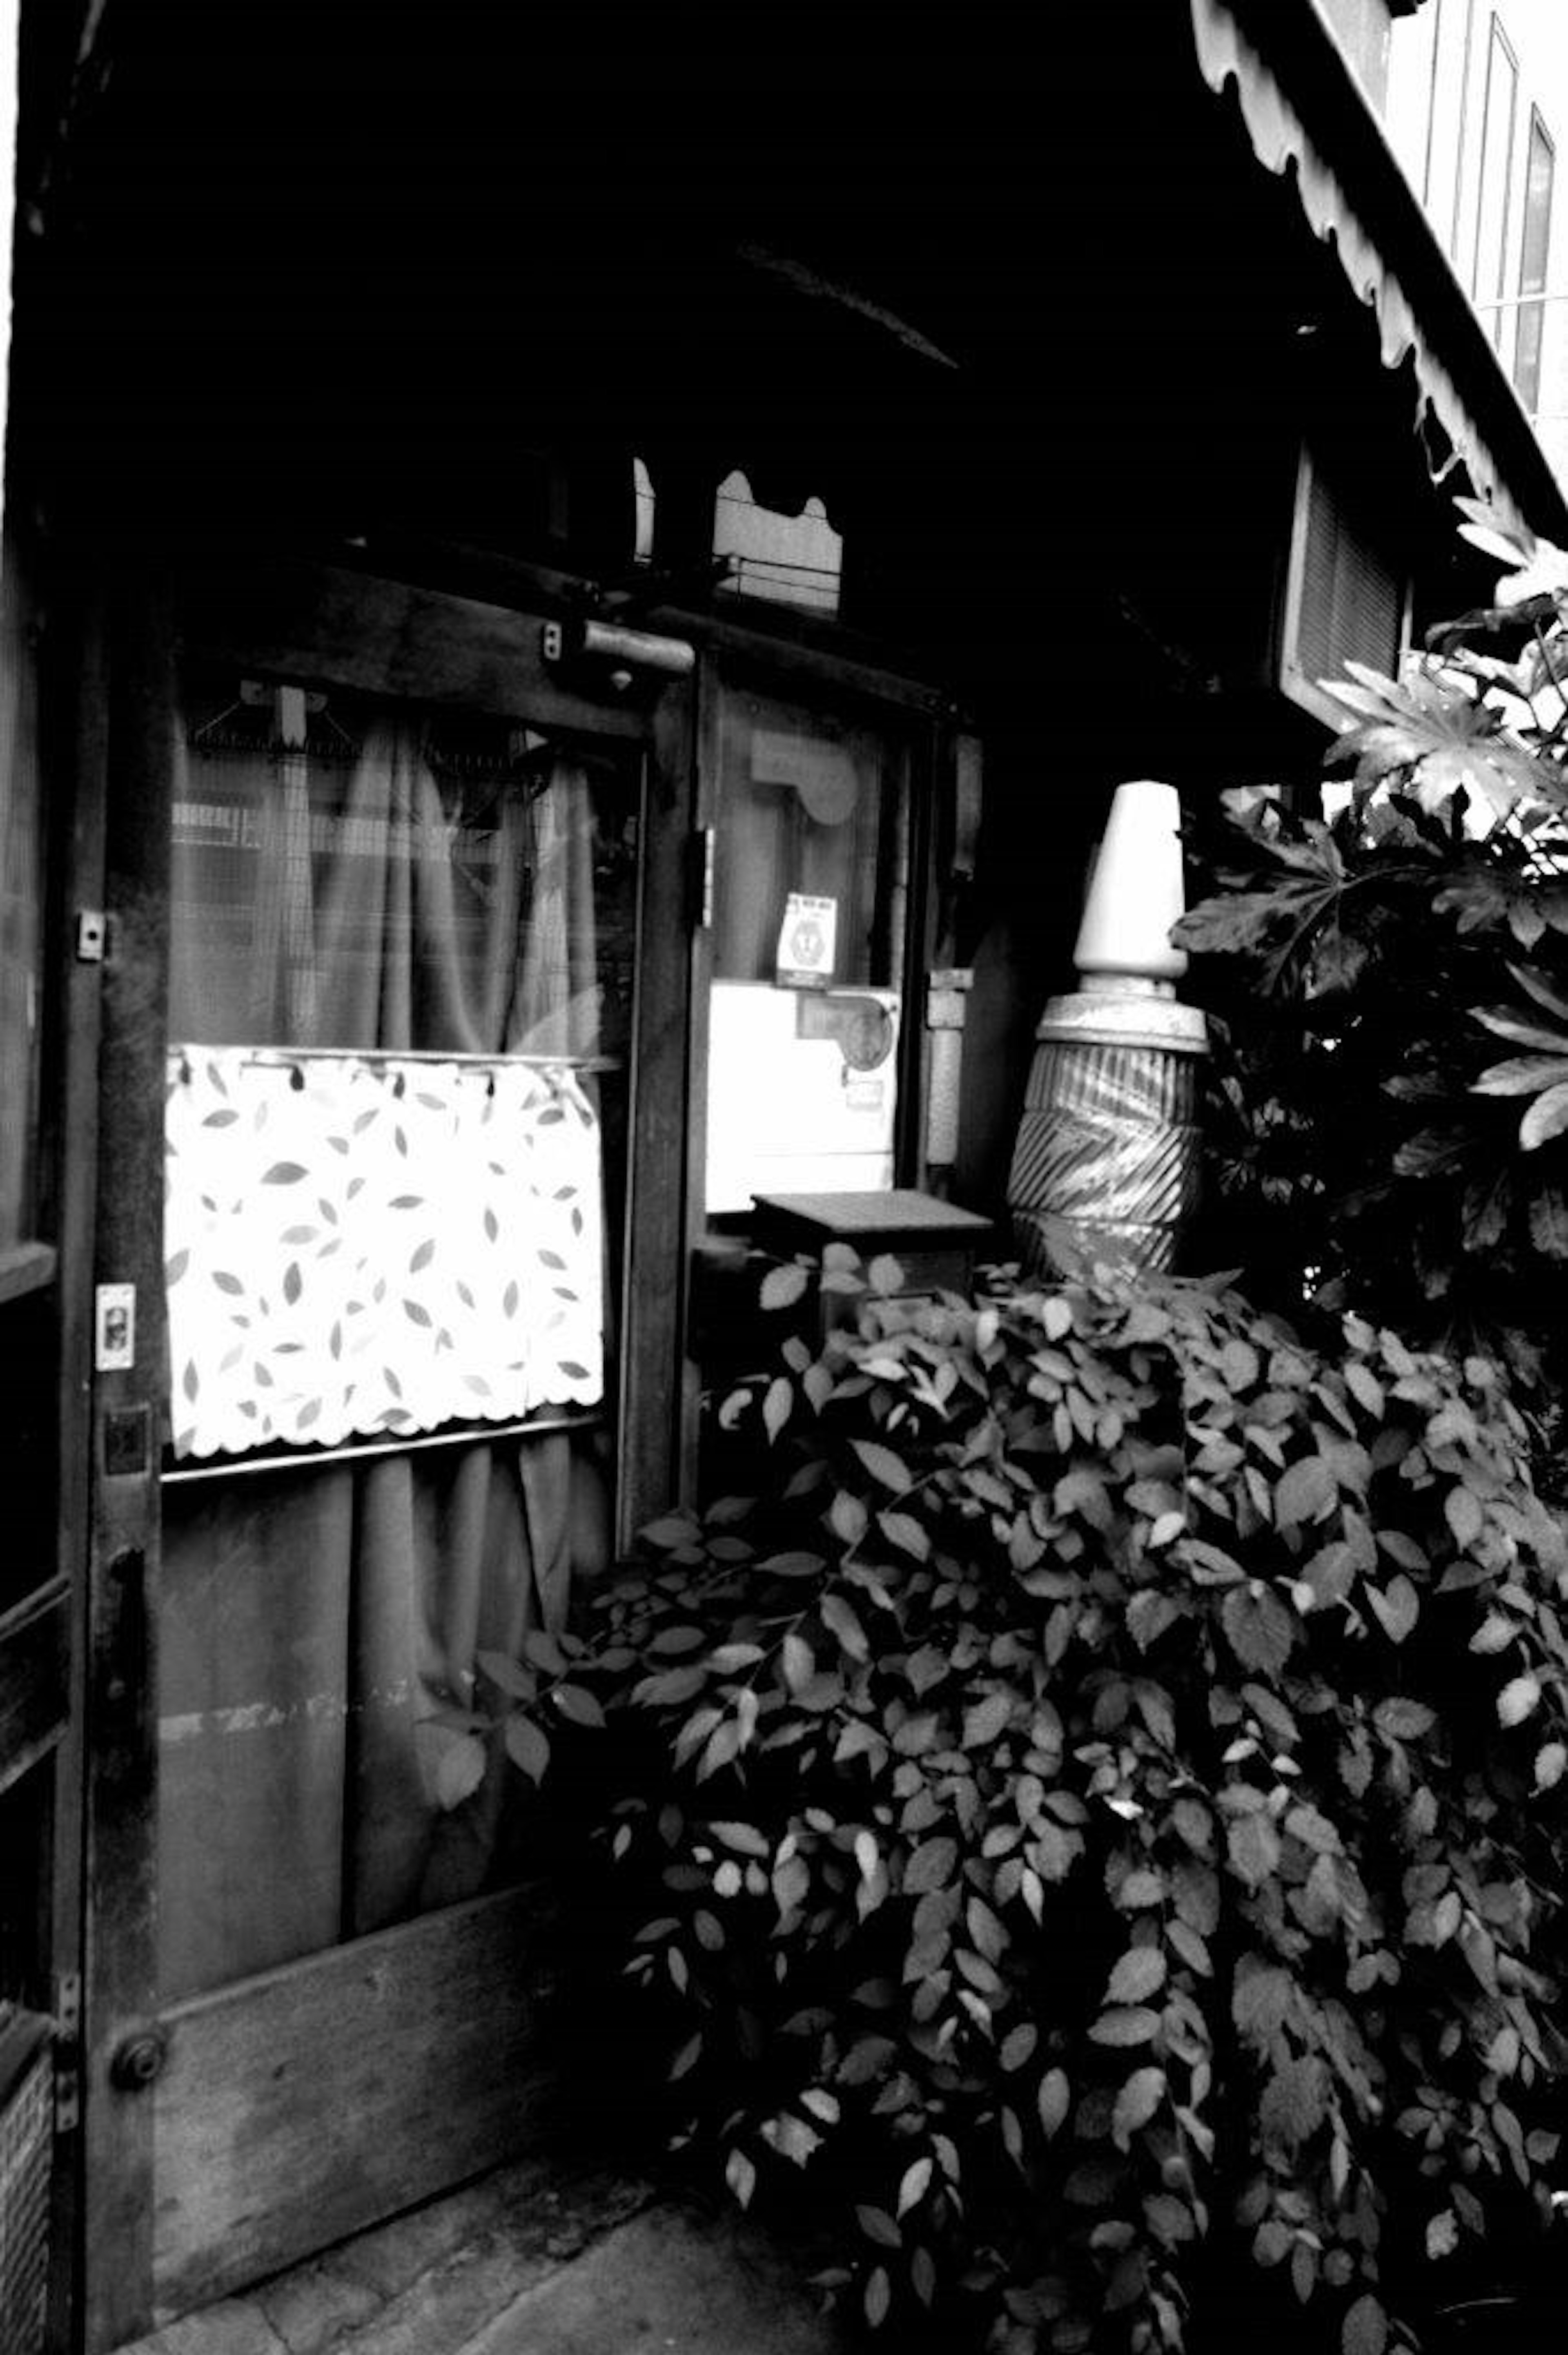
x=375, y=1246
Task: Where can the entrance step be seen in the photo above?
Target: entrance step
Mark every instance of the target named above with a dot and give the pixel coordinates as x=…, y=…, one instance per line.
x=528, y=2261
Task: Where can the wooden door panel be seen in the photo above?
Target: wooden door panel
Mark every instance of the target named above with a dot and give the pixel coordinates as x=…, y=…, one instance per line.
x=303, y=2102
x=310, y=2101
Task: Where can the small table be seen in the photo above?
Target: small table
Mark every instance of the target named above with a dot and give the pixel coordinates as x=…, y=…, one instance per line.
x=936, y=1243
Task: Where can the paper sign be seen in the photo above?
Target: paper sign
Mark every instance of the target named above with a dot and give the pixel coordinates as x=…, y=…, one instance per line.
x=807, y=941
x=114, y=1320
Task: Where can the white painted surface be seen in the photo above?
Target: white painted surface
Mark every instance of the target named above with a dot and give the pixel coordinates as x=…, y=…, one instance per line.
x=786, y=1113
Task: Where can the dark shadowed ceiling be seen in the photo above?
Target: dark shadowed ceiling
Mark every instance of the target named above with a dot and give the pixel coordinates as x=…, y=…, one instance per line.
x=1025, y=311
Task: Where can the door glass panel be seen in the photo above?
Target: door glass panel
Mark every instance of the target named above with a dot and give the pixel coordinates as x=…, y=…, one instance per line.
x=810, y=899
x=402, y=962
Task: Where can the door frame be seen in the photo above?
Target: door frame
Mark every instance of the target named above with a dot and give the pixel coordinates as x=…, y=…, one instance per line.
x=358, y=630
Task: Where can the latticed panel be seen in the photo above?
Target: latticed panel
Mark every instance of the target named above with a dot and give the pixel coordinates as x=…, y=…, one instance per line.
x=26, y=2150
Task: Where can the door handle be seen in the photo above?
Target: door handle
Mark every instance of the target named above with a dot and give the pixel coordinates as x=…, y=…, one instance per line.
x=118, y=1732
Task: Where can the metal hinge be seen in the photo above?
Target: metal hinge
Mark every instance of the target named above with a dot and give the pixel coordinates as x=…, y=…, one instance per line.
x=91, y=935
x=68, y=2052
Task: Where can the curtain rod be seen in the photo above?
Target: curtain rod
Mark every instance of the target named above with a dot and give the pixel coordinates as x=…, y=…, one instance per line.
x=307, y=1459
x=284, y=1056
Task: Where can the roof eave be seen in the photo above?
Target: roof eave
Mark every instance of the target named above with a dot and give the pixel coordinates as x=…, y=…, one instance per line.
x=1298, y=43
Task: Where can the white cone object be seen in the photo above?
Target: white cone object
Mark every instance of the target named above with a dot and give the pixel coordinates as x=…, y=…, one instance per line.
x=1135, y=892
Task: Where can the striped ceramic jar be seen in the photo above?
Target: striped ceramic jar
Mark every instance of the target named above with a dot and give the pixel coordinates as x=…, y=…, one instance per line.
x=1106, y=1169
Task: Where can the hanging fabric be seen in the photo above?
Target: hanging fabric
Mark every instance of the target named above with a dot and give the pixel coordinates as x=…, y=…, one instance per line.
x=361, y=900
x=375, y=1248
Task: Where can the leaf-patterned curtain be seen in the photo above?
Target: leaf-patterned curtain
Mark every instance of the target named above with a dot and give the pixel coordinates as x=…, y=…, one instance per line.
x=374, y=1248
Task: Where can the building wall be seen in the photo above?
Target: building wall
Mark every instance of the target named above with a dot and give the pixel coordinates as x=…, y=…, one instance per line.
x=1477, y=111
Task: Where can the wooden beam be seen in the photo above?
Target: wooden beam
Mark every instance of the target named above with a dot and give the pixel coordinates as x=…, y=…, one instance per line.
x=653, y=1344
x=75, y=722
x=122, y=1667
x=349, y=629
x=706, y=816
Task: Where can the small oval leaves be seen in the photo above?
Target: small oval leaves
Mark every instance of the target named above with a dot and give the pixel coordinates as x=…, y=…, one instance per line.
x=782, y=1286
x=459, y=1770
x=1136, y=2104
x=1052, y=2102
x=1365, y=2330
x=527, y=1746
x=1518, y=1700
x=1139, y=1974
x=885, y=1467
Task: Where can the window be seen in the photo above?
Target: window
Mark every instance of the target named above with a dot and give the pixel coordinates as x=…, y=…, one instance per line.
x=1498, y=106
x=1539, y=170
x=1450, y=133
x=1344, y=600
x=401, y=987
x=810, y=899
x=1412, y=94
x=646, y=504
x=791, y=560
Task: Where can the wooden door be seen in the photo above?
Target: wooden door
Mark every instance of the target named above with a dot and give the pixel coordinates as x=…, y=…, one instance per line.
x=48, y=1014
x=393, y=1134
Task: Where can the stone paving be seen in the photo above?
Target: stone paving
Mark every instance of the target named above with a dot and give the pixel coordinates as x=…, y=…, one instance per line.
x=529, y=2261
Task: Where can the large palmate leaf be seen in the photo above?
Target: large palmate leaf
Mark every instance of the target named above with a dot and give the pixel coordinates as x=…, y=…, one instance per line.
x=1446, y=731
x=1375, y=1012
x=1543, y=1074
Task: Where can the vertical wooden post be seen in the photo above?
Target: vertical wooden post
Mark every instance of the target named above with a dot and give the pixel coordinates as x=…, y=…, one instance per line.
x=909, y=1138
x=75, y=707
x=122, y=1665
x=705, y=834
x=653, y=1388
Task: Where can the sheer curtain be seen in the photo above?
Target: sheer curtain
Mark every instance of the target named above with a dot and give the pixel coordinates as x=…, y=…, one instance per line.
x=320, y=1625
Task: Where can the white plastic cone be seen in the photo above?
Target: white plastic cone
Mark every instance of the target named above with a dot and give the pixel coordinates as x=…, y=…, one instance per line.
x=1135, y=893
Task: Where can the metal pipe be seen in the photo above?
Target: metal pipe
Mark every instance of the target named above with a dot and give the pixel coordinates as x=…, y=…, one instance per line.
x=612, y=641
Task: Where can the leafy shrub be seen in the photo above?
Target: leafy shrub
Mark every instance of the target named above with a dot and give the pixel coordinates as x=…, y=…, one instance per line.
x=1097, y=1815
x=1370, y=974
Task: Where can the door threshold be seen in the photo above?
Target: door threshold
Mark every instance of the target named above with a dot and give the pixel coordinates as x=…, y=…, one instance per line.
x=427, y=2282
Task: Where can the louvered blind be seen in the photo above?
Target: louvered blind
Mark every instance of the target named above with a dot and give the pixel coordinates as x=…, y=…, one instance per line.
x=1350, y=603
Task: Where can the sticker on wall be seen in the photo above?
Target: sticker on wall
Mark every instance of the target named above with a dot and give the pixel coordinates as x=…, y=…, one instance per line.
x=808, y=941
x=114, y=1328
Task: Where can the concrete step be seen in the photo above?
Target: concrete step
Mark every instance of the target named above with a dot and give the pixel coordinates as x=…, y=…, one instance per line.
x=532, y=2260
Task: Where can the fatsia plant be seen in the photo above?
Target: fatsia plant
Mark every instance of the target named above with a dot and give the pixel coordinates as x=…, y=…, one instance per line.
x=1094, y=1831
x=1363, y=968
x=1543, y=1074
